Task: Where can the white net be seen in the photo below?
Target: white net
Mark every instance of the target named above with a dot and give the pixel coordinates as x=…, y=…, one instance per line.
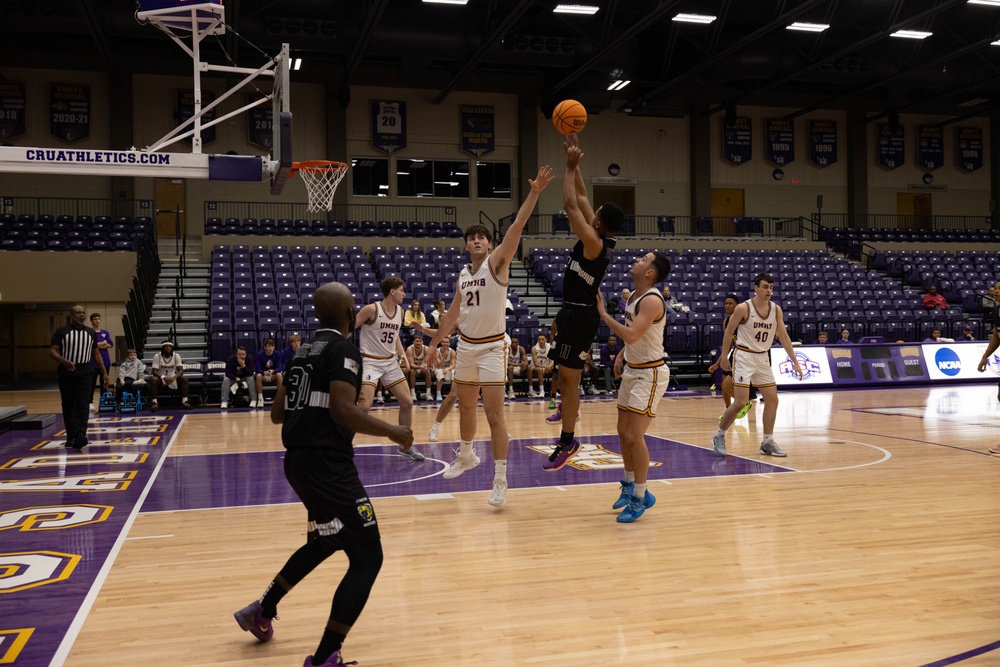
x=321, y=178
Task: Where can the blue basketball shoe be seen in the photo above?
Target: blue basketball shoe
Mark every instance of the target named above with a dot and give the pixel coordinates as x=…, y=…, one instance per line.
x=636, y=507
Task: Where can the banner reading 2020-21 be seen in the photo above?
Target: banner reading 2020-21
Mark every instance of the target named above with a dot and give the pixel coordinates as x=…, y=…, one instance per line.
x=70, y=111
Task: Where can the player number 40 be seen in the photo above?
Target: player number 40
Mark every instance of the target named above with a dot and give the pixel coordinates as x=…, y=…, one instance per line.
x=762, y=336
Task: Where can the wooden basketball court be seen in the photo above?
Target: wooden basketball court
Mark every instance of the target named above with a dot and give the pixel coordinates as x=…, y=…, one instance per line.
x=875, y=542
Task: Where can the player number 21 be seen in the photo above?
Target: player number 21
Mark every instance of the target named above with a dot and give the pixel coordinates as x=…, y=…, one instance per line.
x=761, y=336
x=471, y=296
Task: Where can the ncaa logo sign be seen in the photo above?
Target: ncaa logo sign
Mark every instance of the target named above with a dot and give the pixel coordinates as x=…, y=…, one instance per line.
x=809, y=367
x=948, y=362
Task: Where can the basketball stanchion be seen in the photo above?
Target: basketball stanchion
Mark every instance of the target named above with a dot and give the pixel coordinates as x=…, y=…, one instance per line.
x=321, y=178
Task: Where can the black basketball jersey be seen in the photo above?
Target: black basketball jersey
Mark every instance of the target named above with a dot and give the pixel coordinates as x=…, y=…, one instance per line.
x=584, y=276
x=326, y=358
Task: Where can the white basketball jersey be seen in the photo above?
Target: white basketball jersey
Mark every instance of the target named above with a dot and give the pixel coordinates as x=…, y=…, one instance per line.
x=418, y=359
x=378, y=339
x=482, y=318
x=757, y=333
x=648, y=350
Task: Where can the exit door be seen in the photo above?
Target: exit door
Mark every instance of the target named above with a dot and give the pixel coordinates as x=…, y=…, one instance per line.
x=169, y=196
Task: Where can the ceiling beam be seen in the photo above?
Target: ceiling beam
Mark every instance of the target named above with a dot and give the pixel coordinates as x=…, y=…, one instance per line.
x=733, y=48
x=100, y=40
x=872, y=39
x=647, y=22
x=372, y=18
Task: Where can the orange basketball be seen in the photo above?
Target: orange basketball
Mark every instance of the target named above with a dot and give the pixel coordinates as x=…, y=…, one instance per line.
x=569, y=116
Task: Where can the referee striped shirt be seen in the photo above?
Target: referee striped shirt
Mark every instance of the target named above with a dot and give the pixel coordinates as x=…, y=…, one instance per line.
x=75, y=344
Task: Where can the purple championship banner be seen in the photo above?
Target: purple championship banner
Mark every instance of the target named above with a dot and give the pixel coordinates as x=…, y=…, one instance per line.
x=930, y=147
x=879, y=364
x=891, y=146
x=823, y=142
x=780, y=147
x=737, y=141
x=65, y=515
x=478, y=134
x=969, y=144
x=70, y=107
x=11, y=109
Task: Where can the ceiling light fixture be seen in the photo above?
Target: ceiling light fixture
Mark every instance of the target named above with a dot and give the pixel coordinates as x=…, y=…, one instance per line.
x=808, y=27
x=447, y=2
x=993, y=3
x=973, y=102
x=618, y=85
x=996, y=43
x=694, y=18
x=297, y=64
x=911, y=34
x=576, y=9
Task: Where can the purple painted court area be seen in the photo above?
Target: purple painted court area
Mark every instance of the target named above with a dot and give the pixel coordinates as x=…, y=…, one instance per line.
x=235, y=480
x=63, y=513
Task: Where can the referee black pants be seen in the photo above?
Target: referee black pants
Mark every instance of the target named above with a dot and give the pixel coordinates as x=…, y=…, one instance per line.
x=76, y=389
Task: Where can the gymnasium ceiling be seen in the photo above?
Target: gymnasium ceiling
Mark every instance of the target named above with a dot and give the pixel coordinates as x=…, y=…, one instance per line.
x=745, y=57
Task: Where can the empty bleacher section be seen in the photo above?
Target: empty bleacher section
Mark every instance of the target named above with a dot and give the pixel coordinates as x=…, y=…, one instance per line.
x=101, y=233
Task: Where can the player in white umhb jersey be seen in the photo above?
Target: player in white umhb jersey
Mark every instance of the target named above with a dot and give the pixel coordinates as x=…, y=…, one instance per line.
x=478, y=310
x=757, y=323
x=380, y=325
x=645, y=376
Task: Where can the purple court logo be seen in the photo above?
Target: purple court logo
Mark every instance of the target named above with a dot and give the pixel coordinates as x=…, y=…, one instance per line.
x=993, y=363
x=809, y=367
x=947, y=361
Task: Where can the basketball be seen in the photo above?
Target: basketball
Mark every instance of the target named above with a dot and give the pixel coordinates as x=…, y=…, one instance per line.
x=569, y=116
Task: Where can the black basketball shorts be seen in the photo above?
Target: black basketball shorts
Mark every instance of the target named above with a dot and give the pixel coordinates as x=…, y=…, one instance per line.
x=576, y=327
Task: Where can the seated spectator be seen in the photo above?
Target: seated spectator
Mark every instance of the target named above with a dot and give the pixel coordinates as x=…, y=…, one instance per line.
x=591, y=371
x=294, y=343
x=934, y=300
x=822, y=338
x=444, y=367
x=269, y=369
x=413, y=315
x=517, y=366
x=674, y=307
x=967, y=334
x=168, y=372
x=437, y=313
x=239, y=373
x=609, y=351
x=416, y=354
x=845, y=337
x=130, y=372
x=935, y=337
x=541, y=365
x=623, y=301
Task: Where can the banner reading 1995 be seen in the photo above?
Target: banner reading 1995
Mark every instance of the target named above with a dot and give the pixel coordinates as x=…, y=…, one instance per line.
x=780, y=148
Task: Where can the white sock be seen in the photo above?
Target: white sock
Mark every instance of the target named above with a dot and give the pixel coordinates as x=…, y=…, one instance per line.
x=437, y=425
x=629, y=476
x=183, y=399
x=465, y=449
x=500, y=470
x=768, y=437
x=640, y=491
x=721, y=432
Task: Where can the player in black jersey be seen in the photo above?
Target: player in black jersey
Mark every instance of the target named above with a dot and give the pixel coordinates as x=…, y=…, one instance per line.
x=578, y=319
x=992, y=347
x=317, y=407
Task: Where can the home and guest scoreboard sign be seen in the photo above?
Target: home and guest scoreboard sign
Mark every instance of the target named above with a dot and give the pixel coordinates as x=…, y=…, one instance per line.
x=737, y=141
x=11, y=109
x=780, y=148
x=70, y=111
x=930, y=147
x=891, y=146
x=970, y=148
x=823, y=142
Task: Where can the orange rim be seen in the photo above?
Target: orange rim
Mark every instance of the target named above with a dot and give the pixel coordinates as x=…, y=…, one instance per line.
x=317, y=166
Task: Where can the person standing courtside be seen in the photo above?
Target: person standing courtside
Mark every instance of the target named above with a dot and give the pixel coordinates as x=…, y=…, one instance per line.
x=577, y=321
x=729, y=304
x=754, y=324
x=994, y=344
x=478, y=311
x=645, y=377
x=381, y=327
x=74, y=347
x=317, y=408
x=104, y=343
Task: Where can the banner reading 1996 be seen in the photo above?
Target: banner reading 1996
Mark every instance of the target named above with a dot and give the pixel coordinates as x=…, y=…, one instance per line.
x=823, y=142
x=930, y=147
x=780, y=142
x=11, y=109
x=737, y=141
x=891, y=146
x=970, y=148
x=70, y=115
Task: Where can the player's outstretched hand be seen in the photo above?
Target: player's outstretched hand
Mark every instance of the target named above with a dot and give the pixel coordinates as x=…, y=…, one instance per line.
x=402, y=435
x=432, y=355
x=543, y=178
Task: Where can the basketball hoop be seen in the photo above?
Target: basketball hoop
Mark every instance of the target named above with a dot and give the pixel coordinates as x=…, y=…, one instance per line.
x=321, y=178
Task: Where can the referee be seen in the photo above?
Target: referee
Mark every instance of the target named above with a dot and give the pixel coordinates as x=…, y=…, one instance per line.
x=74, y=346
